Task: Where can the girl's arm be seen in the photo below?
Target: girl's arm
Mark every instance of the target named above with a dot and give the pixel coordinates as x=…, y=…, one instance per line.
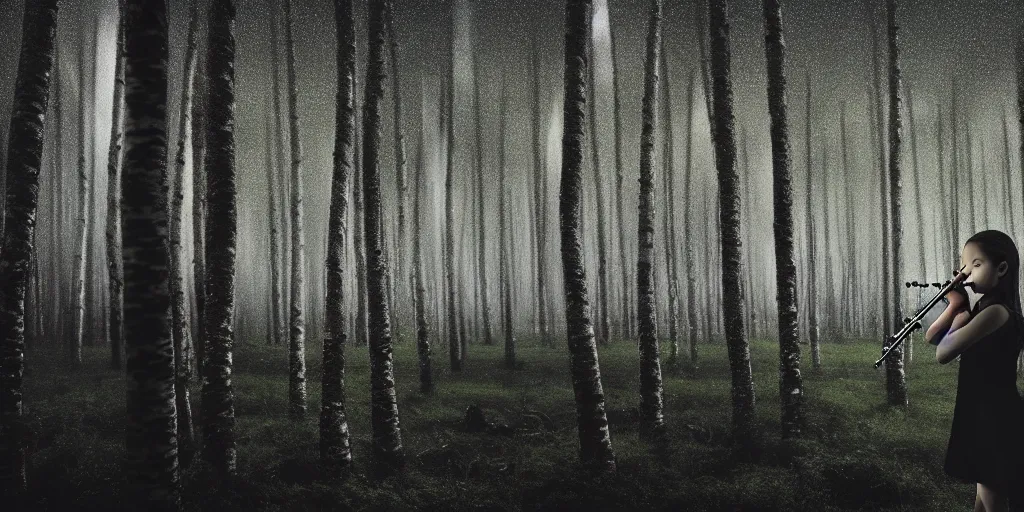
x=943, y=323
x=959, y=340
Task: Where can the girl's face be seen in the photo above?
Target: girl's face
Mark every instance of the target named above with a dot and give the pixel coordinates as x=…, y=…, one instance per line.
x=982, y=271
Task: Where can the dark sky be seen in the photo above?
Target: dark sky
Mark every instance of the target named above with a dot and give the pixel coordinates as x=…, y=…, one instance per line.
x=940, y=40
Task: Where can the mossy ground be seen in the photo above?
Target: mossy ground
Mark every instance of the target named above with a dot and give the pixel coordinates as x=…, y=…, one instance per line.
x=856, y=453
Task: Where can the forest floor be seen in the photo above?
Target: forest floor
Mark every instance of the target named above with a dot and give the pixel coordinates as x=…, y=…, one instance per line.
x=856, y=453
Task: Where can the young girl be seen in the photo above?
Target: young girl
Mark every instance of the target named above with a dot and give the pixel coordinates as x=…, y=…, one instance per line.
x=985, y=443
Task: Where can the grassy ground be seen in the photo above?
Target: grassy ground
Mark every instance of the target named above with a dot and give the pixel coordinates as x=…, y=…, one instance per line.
x=856, y=453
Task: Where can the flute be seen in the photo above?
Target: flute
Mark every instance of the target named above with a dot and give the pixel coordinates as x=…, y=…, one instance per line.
x=911, y=324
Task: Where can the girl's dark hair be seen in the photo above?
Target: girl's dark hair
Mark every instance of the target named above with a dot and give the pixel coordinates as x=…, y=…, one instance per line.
x=999, y=247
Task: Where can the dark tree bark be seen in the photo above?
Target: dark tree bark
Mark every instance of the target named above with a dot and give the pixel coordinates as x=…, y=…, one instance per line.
x=113, y=233
x=297, y=345
x=335, y=451
x=812, y=289
x=482, y=239
x=179, y=315
x=602, y=253
x=896, y=382
x=732, y=285
x=691, y=305
x=151, y=443
x=592, y=421
x=218, y=408
x=24, y=156
x=652, y=420
x=790, y=381
x=387, y=438
x=422, y=333
x=359, y=219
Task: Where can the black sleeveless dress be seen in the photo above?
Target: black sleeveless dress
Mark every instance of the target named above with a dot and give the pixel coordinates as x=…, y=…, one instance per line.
x=986, y=442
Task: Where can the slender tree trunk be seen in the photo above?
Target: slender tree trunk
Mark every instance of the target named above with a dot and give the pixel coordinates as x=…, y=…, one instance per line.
x=179, y=318
x=199, y=106
x=24, y=155
x=540, y=178
x=482, y=238
x=919, y=207
x=75, y=348
x=876, y=67
x=58, y=272
x=790, y=382
x=218, y=409
x=592, y=421
x=896, y=383
x=454, y=347
x=151, y=444
x=362, y=337
x=652, y=420
x=115, y=264
x=504, y=236
x=732, y=286
x=335, y=450
x=1007, y=167
x=400, y=164
x=691, y=305
x=297, y=346
x=851, y=228
x=422, y=332
x=282, y=181
x=274, y=224
x=387, y=439
x=602, y=260
x=668, y=223
x=626, y=304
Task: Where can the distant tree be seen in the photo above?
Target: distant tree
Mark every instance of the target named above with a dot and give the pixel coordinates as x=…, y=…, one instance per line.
x=790, y=382
x=275, y=317
x=200, y=94
x=422, y=334
x=505, y=270
x=592, y=421
x=668, y=222
x=335, y=451
x=691, y=306
x=732, y=289
x=179, y=315
x=24, y=155
x=297, y=345
x=113, y=234
x=454, y=346
x=387, y=438
x=400, y=163
x=218, y=410
x=84, y=202
x=652, y=420
x=812, y=294
x=625, y=303
x=896, y=382
x=540, y=178
x=152, y=444
x=482, y=238
x=602, y=253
